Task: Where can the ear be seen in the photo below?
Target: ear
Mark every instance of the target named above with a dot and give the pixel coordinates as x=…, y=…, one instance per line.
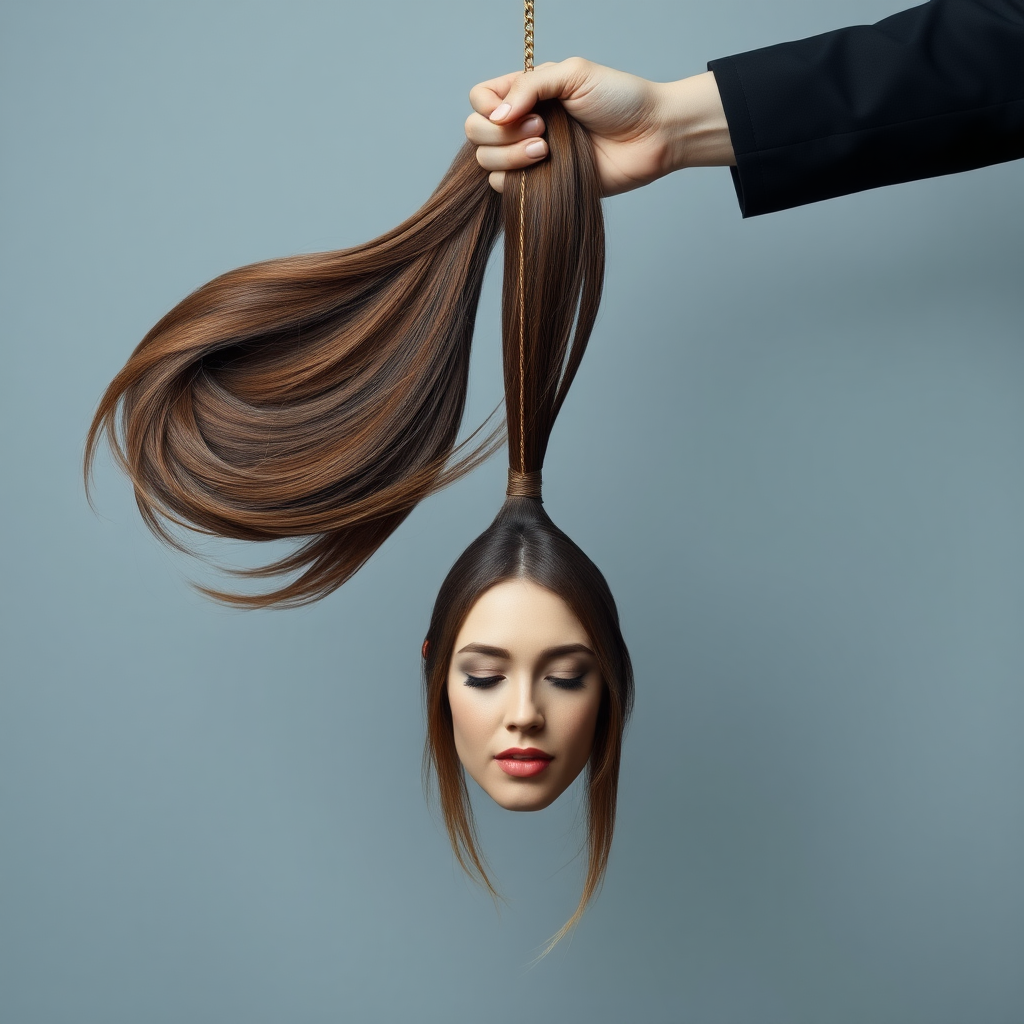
x=426, y=649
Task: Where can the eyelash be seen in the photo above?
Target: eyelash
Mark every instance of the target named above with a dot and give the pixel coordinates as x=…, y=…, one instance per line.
x=485, y=682
x=576, y=683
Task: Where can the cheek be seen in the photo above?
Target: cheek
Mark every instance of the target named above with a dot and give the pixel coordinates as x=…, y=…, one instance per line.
x=470, y=721
x=578, y=724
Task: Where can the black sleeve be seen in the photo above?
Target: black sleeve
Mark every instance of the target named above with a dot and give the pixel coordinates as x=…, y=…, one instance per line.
x=932, y=90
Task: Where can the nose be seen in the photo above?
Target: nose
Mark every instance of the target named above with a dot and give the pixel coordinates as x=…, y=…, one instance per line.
x=523, y=713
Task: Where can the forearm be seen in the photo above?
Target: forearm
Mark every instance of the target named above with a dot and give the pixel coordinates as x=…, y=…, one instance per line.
x=693, y=123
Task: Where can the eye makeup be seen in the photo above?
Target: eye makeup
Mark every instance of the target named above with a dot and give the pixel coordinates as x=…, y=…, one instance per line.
x=561, y=682
x=565, y=667
x=482, y=682
x=573, y=683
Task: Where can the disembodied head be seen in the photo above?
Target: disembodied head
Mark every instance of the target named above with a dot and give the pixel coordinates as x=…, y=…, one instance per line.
x=527, y=608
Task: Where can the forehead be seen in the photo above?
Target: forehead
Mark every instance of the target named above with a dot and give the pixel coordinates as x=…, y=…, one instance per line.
x=522, y=617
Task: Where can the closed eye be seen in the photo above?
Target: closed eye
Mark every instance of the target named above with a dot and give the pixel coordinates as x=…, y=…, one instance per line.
x=482, y=682
x=575, y=683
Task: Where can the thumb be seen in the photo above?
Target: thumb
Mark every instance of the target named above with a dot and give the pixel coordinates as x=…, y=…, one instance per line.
x=546, y=82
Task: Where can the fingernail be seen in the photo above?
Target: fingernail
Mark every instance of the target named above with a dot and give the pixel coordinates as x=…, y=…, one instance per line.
x=536, y=148
x=500, y=112
x=531, y=123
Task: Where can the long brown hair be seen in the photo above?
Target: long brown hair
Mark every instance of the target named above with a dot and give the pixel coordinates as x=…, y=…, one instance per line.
x=315, y=397
x=554, y=266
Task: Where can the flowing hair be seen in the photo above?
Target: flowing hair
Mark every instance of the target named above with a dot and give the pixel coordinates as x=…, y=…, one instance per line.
x=316, y=397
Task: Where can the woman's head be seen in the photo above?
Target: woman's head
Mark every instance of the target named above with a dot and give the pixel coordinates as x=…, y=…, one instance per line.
x=525, y=591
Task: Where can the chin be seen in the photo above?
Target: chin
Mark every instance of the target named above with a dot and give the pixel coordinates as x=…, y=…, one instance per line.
x=525, y=803
x=523, y=798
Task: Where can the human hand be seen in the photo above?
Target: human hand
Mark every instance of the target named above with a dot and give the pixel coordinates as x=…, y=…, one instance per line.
x=640, y=130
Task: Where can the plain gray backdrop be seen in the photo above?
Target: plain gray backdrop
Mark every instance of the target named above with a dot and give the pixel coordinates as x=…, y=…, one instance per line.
x=795, y=448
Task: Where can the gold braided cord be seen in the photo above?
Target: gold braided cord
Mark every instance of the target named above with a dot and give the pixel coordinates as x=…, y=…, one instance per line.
x=524, y=485
x=522, y=322
x=528, y=26
x=527, y=66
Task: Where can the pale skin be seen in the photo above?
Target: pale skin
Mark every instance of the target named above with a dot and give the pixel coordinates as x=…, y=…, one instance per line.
x=640, y=130
x=523, y=677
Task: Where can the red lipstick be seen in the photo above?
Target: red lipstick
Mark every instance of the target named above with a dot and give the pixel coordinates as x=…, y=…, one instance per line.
x=523, y=763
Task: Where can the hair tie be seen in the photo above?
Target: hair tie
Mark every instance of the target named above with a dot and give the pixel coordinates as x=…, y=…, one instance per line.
x=523, y=485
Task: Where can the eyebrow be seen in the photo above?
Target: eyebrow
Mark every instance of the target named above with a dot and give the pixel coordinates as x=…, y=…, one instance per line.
x=551, y=652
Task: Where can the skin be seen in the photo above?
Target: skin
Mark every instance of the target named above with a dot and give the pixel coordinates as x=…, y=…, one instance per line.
x=640, y=130
x=525, y=630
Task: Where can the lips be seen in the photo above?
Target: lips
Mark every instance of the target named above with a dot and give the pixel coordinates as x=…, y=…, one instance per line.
x=523, y=763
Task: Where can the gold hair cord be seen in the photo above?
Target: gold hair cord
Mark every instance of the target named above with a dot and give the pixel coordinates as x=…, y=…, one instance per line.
x=527, y=66
x=524, y=485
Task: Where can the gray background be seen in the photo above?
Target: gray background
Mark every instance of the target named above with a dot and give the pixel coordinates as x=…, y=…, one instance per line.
x=796, y=448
